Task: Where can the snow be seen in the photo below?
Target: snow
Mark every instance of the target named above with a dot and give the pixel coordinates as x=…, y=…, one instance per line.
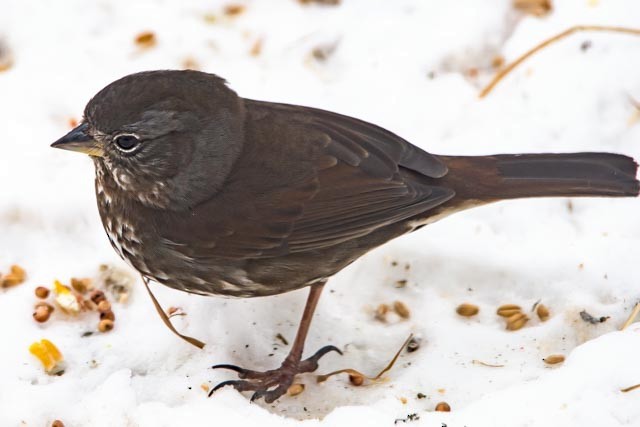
x=404, y=65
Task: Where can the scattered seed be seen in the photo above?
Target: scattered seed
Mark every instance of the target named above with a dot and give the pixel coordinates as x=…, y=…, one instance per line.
x=403, y=400
x=96, y=296
x=497, y=61
x=42, y=292
x=146, y=39
x=57, y=423
x=381, y=312
x=508, y=310
x=467, y=310
x=256, y=48
x=323, y=52
x=401, y=309
x=516, y=321
x=356, y=379
x=65, y=298
x=46, y=305
x=104, y=306
x=16, y=276
x=543, y=312
x=81, y=285
x=107, y=315
x=234, y=9
x=295, y=389
x=105, y=325
x=421, y=396
x=205, y=387
x=117, y=281
x=443, y=407
x=41, y=314
x=553, y=359
x=537, y=8
x=413, y=344
x=48, y=354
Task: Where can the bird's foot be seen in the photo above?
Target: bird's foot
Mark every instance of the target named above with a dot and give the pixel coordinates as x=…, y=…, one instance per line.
x=272, y=384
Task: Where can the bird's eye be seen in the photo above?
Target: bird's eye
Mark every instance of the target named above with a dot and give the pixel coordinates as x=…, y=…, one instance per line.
x=126, y=142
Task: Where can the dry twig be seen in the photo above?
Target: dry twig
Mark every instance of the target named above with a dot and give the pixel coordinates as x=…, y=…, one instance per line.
x=506, y=70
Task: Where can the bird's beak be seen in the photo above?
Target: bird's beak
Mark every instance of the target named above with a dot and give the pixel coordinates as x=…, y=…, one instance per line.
x=79, y=140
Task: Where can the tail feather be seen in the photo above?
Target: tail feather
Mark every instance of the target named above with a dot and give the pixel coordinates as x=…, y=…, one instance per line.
x=509, y=176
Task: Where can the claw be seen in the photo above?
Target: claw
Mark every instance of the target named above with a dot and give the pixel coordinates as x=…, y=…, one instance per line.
x=311, y=364
x=271, y=385
x=238, y=385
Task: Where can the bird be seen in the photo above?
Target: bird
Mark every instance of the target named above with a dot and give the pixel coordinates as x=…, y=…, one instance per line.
x=211, y=193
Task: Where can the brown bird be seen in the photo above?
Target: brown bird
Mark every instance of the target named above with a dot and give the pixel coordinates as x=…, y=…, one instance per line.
x=214, y=194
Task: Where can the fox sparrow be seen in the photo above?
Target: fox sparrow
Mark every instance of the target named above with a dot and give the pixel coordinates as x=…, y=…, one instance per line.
x=214, y=194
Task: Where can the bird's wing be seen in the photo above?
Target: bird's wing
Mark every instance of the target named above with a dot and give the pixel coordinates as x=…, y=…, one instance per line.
x=361, y=178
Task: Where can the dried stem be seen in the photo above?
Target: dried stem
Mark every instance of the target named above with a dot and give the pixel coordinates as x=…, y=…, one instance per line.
x=632, y=317
x=322, y=378
x=506, y=70
x=628, y=389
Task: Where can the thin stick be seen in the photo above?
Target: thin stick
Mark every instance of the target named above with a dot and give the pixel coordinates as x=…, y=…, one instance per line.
x=628, y=389
x=322, y=378
x=506, y=70
x=166, y=320
x=632, y=317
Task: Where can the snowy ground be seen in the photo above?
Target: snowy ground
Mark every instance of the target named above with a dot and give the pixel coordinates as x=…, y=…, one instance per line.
x=408, y=66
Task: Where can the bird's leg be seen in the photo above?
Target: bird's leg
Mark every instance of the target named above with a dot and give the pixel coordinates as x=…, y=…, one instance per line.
x=274, y=383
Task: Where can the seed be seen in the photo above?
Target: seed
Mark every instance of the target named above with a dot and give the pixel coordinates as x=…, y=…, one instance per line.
x=18, y=272
x=48, y=354
x=104, y=306
x=413, y=344
x=108, y=315
x=356, y=379
x=42, y=292
x=105, y=325
x=401, y=309
x=233, y=9
x=295, y=389
x=96, y=296
x=553, y=359
x=381, y=312
x=443, y=407
x=41, y=314
x=508, y=310
x=81, y=285
x=16, y=276
x=57, y=423
x=516, y=321
x=543, y=312
x=146, y=39
x=45, y=305
x=467, y=310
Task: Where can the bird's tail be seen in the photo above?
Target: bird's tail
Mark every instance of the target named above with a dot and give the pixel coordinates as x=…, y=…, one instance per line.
x=511, y=176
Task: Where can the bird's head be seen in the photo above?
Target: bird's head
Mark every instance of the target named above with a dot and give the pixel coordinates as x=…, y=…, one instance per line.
x=163, y=137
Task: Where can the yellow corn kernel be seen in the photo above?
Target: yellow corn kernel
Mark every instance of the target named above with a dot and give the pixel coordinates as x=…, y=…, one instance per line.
x=47, y=353
x=65, y=298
